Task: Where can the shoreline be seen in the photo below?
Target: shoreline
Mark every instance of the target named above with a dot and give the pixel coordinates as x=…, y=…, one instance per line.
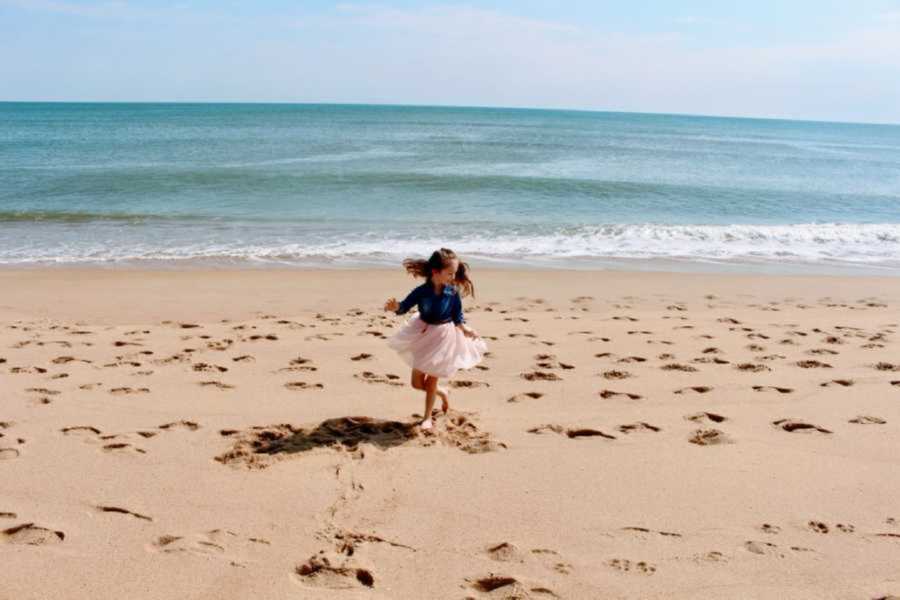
x=580, y=264
x=139, y=295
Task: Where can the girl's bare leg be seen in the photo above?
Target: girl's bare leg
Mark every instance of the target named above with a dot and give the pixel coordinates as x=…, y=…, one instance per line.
x=430, y=393
x=444, y=395
x=417, y=379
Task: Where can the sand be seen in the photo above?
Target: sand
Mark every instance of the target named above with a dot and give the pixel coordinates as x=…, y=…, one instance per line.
x=248, y=434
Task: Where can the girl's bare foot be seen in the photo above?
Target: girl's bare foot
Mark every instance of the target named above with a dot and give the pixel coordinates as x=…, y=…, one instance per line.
x=426, y=424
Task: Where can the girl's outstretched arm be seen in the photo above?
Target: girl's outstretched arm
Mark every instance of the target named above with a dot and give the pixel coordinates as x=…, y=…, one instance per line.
x=404, y=305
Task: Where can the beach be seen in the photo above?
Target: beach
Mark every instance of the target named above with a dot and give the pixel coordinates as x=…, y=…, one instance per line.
x=235, y=433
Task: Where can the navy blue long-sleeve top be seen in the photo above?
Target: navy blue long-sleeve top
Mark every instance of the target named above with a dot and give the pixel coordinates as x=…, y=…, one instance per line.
x=434, y=309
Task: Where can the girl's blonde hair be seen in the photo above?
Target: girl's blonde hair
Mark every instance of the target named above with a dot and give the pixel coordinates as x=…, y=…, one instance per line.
x=439, y=260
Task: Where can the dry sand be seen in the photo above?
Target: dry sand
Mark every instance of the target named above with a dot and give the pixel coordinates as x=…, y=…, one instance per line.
x=247, y=434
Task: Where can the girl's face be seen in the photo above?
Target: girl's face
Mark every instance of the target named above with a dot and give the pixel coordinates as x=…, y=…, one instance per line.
x=447, y=274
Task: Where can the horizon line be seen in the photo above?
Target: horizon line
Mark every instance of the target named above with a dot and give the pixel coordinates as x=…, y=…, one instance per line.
x=462, y=106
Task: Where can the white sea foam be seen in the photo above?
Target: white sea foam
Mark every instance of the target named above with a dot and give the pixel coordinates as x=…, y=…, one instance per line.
x=829, y=243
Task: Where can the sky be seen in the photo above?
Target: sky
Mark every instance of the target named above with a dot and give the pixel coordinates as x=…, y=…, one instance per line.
x=832, y=60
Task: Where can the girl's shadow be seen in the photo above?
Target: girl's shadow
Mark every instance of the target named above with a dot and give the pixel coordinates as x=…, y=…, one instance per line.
x=348, y=432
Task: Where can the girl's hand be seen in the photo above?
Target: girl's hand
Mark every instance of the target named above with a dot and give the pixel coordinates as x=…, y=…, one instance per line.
x=471, y=333
x=391, y=305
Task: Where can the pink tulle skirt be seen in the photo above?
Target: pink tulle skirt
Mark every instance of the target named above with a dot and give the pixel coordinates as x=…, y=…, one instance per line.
x=437, y=350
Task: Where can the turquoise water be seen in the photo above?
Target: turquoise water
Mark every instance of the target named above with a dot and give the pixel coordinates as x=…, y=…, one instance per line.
x=336, y=185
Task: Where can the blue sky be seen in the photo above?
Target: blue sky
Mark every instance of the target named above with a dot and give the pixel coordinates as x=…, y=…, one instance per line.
x=823, y=60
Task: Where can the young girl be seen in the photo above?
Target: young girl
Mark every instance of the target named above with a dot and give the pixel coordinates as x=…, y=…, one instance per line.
x=436, y=342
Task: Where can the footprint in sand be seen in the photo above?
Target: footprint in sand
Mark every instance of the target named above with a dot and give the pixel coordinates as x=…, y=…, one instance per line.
x=8, y=453
x=709, y=437
x=506, y=552
x=189, y=425
x=700, y=389
x=571, y=433
x=632, y=359
x=388, y=378
x=763, y=548
x=510, y=553
x=840, y=382
x=792, y=425
x=524, y=395
x=541, y=376
x=124, y=511
x=220, y=543
x=820, y=351
x=207, y=368
x=707, y=359
x=81, y=429
x=886, y=366
x=333, y=571
x=822, y=528
x=31, y=535
x=298, y=364
x=302, y=385
x=702, y=417
x=119, y=391
x=625, y=565
x=219, y=385
x=361, y=356
x=375, y=333
x=765, y=388
x=62, y=360
x=220, y=345
x=640, y=530
x=123, y=447
x=615, y=374
x=678, y=367
x=464, y=383
x=548, y=361
x=639, y=427
x=42, y=391
x=509, y=587
x=325, y=337
x=867, y=420
x=812, y=364
x=27, y=370
x=611, y=394
x=752, y=367
x=259, y=336
x=243, y=358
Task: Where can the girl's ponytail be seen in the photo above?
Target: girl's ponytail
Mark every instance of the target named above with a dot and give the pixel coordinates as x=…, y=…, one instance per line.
x=419, y=267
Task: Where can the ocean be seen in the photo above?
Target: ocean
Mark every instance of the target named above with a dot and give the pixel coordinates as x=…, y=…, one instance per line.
x=280, y=185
